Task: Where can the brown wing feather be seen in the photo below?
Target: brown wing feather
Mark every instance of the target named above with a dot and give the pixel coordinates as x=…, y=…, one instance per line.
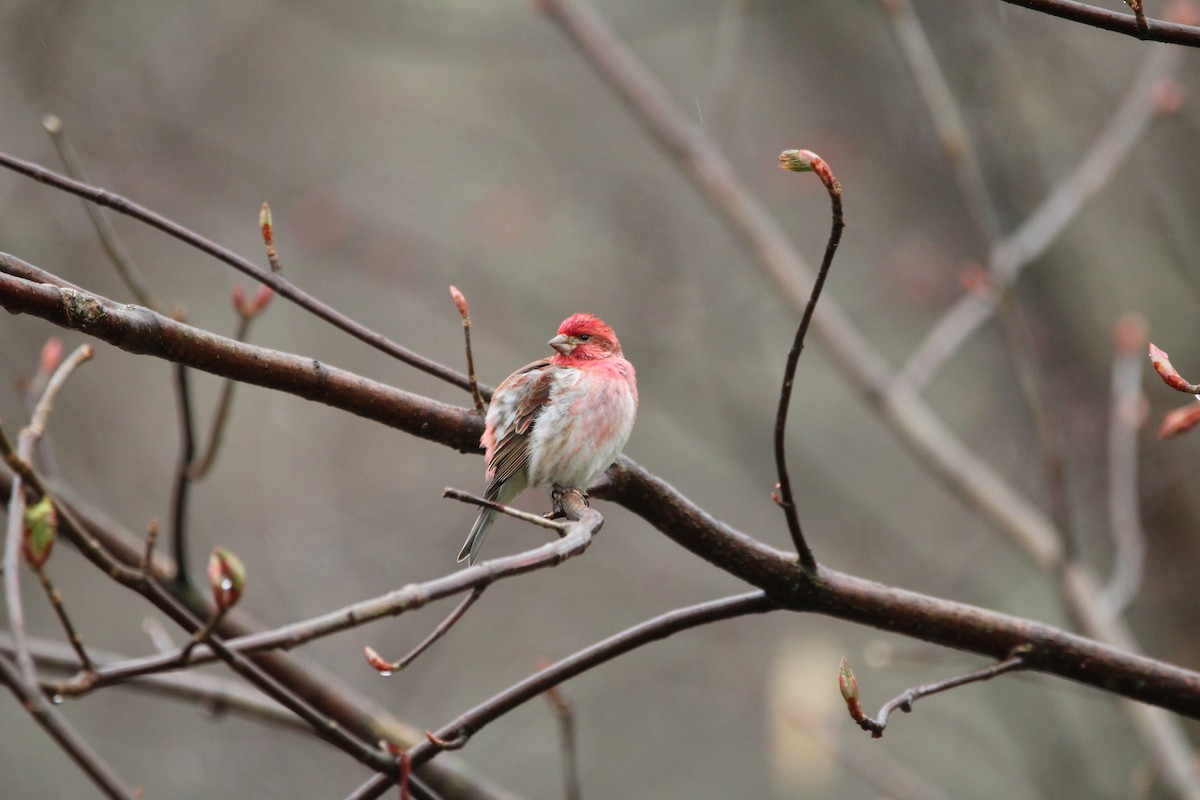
x=512, y=452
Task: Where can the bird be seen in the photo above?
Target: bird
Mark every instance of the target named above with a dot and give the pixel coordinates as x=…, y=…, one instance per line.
x=559, y=422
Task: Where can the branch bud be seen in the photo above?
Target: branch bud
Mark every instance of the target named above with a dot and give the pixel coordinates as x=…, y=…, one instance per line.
x=848, y=685
x=1170, y=376
x=41, y=529
x=267, y=226
x=226, y=578
x=1179, y=421
x=378, y=662
x=460, y=302
x=51, y=356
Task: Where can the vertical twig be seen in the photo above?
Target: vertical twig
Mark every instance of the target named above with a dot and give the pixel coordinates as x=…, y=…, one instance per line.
x=565, y=715
x=14, y=532
x=1126, y=413
x=460, y=302
x=946, y=116
x=804, y=161
x=181, y=488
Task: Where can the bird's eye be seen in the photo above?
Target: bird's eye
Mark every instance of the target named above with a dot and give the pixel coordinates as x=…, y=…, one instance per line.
x=583, y=337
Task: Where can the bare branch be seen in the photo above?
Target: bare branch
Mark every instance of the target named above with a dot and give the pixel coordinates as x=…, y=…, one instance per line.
x=464, y=311
x=905, y=701
x=1009, y=256
x=1150, y=30
x=67, y=738
x=804, y=161
x=386, y=668
x=275, y=281
x=461, y=729
x=1126, y=413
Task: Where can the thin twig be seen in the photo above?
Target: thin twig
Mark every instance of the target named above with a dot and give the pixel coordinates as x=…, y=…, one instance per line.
x=74, y=745
x=1125, y=416
x=275, y=281
x=217, y=694
x=388, y=667
x=565, y=715
x=904, y=702
x=588, y=658
x=148, y=554
x=460, y=302
x=1009, y=256
x=94, y=536
x=804, y=161
x=202, y=464
x=114, y=247
x=201, y=636
x=394, y=603
x=182, y=484
x=56, y=602
x=475, y=500
x=16, y=509
x=1150, y=30
x=947, y=118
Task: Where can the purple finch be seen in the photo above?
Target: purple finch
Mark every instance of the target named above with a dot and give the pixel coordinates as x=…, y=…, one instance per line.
x=559, y=422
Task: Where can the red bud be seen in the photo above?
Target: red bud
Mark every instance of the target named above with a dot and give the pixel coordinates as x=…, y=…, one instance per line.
x=226, y=578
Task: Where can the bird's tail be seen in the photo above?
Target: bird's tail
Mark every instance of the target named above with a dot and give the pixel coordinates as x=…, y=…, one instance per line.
x=470, y=549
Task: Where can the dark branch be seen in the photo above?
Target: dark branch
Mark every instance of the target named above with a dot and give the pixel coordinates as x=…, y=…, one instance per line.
x=1152, y=30
x=275, y=281
x=804, y=161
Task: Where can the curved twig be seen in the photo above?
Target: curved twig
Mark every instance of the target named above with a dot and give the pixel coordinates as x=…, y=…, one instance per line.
x=804, y=161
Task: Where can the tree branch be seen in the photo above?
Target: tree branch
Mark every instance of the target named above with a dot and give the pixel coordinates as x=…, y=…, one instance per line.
x=1153, y=30
x=827, y=592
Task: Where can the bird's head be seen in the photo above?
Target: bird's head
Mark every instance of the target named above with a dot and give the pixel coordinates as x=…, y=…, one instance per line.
x=584, y=337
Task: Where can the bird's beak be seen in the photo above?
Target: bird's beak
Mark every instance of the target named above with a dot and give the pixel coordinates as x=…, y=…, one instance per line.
x=562, y=344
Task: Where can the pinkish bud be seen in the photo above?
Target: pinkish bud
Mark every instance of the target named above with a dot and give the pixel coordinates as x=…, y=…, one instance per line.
x=1168, y=97
x=1170, y=376
x=41, y=529
x=1182, y=12
x=378, y=662
x=262, y=298
x=1179, y=421
x=237, y=298
x=51, y=355
x=460, y=302
x=267, y=226
x=1129, y=334
x=226, y=578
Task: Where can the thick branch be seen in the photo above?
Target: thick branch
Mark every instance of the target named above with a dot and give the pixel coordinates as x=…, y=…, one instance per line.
x=828, y=592
x=139, y=330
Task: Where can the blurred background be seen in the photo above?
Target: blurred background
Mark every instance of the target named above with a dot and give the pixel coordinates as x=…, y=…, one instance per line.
x=405, y=146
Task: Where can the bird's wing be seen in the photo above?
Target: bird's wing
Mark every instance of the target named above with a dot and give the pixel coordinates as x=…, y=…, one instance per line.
x=521, y=398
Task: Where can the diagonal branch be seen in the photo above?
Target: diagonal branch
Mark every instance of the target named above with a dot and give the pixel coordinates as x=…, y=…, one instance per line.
x=1151, y=30
x=275, y=280
x=466, y=725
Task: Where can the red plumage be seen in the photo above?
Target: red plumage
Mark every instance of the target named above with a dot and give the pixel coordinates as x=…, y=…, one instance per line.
x=560, y=421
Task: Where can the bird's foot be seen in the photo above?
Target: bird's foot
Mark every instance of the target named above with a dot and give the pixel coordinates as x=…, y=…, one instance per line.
x=557, y=493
